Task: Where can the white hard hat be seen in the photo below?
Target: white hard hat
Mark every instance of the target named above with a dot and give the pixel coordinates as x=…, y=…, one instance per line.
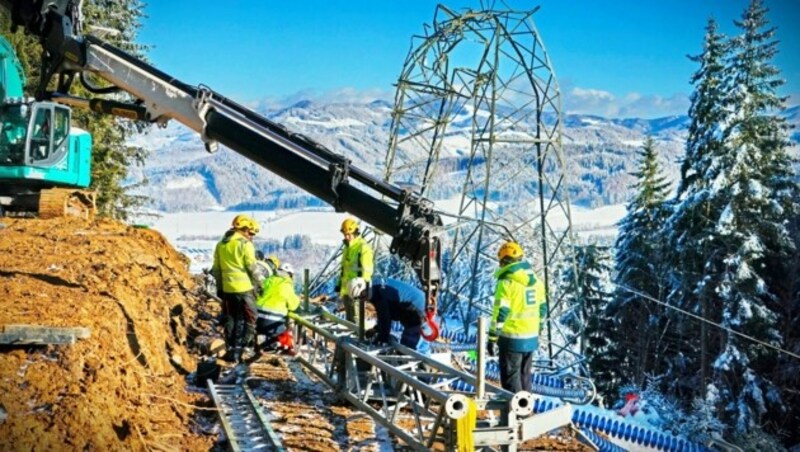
x=356, y=287
x=286, y=268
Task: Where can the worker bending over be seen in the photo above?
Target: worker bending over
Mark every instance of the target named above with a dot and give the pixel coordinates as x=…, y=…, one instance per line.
x=236, y=276
x=394, y=301
x=519, y=311
x=277, y=299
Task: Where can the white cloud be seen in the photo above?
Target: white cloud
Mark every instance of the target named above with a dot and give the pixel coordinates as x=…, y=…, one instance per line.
x=603, y=103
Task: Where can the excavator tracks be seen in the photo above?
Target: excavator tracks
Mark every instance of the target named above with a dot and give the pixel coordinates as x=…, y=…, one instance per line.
x=245, y=425
x=64, y=202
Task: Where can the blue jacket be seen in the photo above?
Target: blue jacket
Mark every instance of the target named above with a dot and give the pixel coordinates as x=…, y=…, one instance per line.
x=398, y=301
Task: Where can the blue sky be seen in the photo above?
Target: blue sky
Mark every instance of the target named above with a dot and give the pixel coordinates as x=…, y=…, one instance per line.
x=617, y=58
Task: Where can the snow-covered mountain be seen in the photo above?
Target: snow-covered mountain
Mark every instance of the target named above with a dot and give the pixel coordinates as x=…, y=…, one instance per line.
x=182, y=176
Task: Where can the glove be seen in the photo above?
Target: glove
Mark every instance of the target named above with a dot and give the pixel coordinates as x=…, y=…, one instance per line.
x=491, y=348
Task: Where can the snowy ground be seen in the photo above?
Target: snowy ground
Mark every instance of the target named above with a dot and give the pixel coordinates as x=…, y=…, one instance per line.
x=196, y=233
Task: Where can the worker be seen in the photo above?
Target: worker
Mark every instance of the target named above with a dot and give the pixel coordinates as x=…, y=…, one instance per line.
x=277, y=299
x=357, y=262
x=236, y=275
x=268, y=265
x=394, y=300
x=517, y=317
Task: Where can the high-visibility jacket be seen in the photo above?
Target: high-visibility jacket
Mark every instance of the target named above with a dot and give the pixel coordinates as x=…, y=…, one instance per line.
x=356, y=262
x=277, y=298
x=235, y=263
x=519, y=308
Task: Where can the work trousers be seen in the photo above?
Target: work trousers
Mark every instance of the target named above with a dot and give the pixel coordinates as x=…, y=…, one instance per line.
x=240, y=318
x=515, y=369
x=271, y=329
x=410, y=336
x=350, y=309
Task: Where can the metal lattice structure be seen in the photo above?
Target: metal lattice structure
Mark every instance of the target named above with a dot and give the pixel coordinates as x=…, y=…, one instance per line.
x=477, y=124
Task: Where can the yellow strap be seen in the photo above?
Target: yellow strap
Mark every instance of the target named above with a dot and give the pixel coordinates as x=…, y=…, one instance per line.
x=465, y=426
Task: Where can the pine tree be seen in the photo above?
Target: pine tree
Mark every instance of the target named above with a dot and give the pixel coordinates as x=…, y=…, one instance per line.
x=111, y=155
x=640, y=267
x=729, y=226
x=689, y=229
x=593, y=293
x=753, y=240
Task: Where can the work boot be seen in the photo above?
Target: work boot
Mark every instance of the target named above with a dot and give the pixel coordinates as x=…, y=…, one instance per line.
x=237, y=355
x=250, y=355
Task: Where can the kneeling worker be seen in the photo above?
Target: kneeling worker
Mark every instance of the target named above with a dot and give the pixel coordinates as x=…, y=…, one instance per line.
x=277, y=299
x=394, y=301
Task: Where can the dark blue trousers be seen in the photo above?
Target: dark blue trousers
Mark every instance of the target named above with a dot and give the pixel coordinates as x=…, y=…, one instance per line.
x=515, y=369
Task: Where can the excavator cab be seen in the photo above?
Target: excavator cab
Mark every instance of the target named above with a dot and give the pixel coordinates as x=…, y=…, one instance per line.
x=35, y=135
x=44, y=162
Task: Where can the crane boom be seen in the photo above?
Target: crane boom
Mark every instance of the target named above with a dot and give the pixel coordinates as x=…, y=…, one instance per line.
x=409, y=219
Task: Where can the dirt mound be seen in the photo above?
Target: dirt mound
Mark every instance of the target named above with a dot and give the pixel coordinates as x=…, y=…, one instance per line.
x=123, y=387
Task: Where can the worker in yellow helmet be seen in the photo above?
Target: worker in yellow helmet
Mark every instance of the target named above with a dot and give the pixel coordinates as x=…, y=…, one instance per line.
x=519, y=311
x=236, y=274
x=357, y=262
x=274, y=304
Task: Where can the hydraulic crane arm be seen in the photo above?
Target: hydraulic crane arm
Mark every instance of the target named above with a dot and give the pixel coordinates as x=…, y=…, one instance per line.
x=407, y=218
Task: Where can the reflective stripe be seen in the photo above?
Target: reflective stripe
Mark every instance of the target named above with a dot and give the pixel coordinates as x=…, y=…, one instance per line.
x=268, y=315
x=518, y=335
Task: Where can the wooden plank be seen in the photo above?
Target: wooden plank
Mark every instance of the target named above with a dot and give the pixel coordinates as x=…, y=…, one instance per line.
x=37, y=334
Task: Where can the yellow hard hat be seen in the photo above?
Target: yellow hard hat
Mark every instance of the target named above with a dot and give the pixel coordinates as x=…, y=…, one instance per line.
x=244, y=222
x=238, y=219
x=274, y=259
x=349, y=226
x=510, y=250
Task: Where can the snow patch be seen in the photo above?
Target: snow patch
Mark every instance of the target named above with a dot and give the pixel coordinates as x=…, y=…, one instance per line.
x=186, y=182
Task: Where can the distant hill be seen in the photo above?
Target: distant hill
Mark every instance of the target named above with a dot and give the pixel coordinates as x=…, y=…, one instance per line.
x=600, y=154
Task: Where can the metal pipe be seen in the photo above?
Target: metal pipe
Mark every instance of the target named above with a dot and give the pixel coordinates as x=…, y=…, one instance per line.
x=362, y=314
x=495, y=390
x=481, y=375
x=306, y=280
x=431, y=392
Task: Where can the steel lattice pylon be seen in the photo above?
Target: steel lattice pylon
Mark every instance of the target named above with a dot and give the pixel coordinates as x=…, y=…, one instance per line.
x=477, y=124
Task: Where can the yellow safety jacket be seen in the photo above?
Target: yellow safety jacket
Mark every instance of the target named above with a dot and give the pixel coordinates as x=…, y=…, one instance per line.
x=235, y=263
x=277, y=299
x=519, y=308
x=357, y=261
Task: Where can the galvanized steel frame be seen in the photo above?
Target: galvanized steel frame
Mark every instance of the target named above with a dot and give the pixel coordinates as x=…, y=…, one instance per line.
x=396, y=385
x=510, y=84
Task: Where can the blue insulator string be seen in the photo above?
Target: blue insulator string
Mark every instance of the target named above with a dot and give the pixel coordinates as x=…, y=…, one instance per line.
x=603, y=444
x=611, y=426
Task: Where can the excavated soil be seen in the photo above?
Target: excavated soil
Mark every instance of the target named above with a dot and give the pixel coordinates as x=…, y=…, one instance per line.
x=124, y=386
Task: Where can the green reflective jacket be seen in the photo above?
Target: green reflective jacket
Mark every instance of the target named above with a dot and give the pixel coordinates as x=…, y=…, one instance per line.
x=235, y=263
x=519, y=307
x=357, y=261
x=277, y=298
